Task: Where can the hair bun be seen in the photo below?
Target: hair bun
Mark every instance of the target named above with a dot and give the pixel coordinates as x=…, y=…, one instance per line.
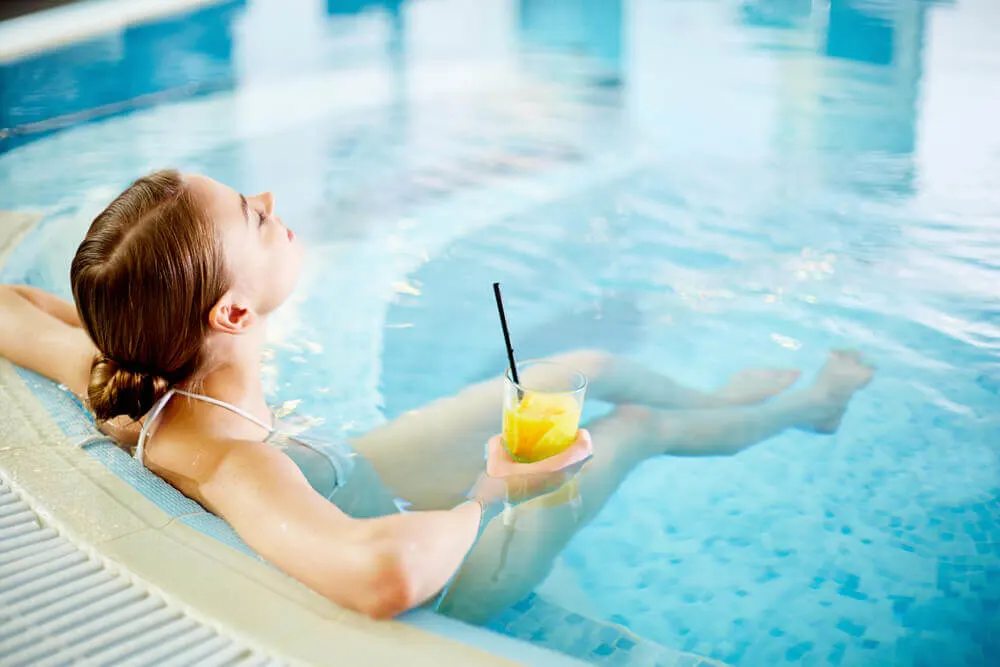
x=115, y=390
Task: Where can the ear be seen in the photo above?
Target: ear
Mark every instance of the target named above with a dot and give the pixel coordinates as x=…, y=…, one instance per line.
x=231, y=315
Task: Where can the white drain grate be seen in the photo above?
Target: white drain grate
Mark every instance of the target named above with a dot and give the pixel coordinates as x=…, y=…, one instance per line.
x=60, y=605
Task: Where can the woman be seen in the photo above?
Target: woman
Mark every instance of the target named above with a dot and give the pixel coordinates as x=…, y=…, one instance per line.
x=173, y=286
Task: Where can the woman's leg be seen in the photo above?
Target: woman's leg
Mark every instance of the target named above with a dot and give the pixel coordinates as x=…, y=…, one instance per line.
x=444, y=440
x=512, y=557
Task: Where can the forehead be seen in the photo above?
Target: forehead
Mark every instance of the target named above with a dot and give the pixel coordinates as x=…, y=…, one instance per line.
x=223, y=204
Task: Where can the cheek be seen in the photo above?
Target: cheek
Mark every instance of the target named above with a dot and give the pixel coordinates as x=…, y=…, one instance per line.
x=286, y=267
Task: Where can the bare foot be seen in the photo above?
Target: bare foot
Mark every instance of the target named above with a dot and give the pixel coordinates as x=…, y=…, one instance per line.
x=844, y=373
x=754, y=385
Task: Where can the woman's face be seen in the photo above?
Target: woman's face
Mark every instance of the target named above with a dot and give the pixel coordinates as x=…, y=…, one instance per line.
x=262, y=254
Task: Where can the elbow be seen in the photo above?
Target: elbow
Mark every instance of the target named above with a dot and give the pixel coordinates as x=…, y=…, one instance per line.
x=391, y=588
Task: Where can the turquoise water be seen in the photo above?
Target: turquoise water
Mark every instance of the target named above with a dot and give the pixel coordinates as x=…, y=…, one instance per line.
x=701, y=186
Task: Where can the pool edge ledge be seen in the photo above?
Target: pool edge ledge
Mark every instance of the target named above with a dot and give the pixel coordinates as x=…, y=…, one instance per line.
x=247, y=599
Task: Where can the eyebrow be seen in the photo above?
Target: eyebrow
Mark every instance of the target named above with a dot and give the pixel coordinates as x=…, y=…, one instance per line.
x=246, y=208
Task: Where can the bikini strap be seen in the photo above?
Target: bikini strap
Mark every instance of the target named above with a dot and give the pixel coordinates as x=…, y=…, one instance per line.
x=158, y=408
x=228, y=406
x=151, y=418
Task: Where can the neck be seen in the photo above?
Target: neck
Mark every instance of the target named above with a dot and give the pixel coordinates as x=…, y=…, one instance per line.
x=235, y=375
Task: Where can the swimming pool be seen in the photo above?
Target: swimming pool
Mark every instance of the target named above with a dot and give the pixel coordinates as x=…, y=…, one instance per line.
x=702, y=186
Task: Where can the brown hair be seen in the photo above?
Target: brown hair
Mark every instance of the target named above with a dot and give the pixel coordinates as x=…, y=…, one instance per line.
x=144, y=280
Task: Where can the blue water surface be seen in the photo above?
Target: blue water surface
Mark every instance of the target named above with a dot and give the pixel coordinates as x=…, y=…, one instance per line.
x=701, y=186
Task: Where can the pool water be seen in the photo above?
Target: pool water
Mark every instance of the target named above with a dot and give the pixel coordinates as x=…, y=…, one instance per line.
x=700, y=186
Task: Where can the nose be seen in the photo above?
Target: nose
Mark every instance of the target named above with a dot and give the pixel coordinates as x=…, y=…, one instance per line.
x=268, y=199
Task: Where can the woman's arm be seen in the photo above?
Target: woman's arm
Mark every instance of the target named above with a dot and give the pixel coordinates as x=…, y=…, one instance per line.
x=37, y=332
x=379, y=567
x=62, y=310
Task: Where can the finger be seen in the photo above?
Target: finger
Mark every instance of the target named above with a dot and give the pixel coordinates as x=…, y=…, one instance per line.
x=499, y=462
x=579, y=451
x=494, y=446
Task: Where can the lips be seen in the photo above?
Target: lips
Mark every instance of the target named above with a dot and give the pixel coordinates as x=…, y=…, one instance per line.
x=291, y=234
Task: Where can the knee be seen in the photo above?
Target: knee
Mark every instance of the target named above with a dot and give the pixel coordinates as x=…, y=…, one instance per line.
x=637, y=415
x=590, y=362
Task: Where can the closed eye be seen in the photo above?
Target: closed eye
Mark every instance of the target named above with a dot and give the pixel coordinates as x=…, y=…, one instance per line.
x=263, y=218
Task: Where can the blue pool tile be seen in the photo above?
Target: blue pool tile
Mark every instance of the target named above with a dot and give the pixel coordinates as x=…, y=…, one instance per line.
x=541, y=635
x=619, y=619
x=853, y=629
x=625, y=644
x=796, y=652
x=850, y=593
x=837, y=654
x=776, y=632
x=869, y=644
x=573, y=619
x=604, y=650
x=608, y=635
x=900, y=603
x=768, y=575
x=848, y=580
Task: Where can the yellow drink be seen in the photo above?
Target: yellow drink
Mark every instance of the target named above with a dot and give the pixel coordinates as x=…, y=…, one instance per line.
x=538, y=424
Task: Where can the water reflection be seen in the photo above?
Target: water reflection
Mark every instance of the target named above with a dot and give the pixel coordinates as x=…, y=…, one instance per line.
x=348, y=7
x=586, y=30
x=849, y=91
x=184, y=55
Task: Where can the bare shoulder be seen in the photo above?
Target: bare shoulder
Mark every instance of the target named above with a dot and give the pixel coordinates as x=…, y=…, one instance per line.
x=221, y=473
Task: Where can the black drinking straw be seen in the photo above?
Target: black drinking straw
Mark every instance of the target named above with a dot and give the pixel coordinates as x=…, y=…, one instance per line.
x=506, y=334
